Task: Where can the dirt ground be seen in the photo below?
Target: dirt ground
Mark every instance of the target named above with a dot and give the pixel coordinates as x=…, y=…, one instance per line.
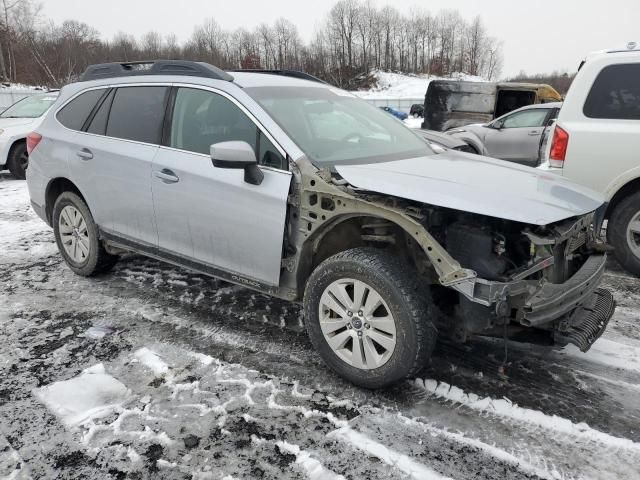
x=152, y=371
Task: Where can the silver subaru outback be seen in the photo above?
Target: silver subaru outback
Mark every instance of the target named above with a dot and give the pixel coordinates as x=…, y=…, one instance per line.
x=294, y=188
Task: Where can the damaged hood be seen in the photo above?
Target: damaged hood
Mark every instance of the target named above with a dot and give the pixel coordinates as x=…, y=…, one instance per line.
x=476, y=184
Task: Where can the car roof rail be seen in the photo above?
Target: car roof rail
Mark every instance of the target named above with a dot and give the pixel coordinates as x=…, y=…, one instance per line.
x=284, y=73
x=154, y=67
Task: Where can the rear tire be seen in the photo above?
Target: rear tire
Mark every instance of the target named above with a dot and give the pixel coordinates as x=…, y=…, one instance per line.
x=623, y=233
x=77, y=237
x=372, y=347
x=18, y=160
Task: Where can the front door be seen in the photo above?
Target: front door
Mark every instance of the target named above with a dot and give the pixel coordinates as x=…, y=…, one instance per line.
x=516, y=136
x=210, y=215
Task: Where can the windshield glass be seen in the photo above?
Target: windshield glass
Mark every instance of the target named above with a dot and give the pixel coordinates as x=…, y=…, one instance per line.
x=30, y=107
x=333, y=127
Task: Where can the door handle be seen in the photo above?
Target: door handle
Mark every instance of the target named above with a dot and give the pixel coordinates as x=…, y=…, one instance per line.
x=167, y=176
x=85, y=154
x=534, y=132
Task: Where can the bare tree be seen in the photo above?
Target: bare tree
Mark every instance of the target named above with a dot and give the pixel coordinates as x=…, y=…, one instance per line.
x=354, y=38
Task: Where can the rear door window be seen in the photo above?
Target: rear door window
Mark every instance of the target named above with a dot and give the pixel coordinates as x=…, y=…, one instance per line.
x=137, y=113
x=75, y=113
x=615, y=94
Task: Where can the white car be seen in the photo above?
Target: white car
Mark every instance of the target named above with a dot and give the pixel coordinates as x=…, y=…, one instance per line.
x=596, y=142
x=16, y=122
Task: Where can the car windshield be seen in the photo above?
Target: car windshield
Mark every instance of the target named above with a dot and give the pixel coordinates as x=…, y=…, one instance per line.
x=30, y=107
x=333, y=127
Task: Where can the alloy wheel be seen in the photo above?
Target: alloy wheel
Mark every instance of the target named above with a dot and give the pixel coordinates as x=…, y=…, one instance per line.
x=357, y=324
x=633, y=234
x=74, y=234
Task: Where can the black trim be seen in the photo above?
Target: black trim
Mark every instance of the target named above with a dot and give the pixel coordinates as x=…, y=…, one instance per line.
x=95, y=109
x=107, y=98
x=154, y=67
x=165, y=139
x=187, y=262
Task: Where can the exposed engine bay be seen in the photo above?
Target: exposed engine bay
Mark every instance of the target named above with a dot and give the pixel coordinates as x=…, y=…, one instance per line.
x=534, y=274
x=489, y=276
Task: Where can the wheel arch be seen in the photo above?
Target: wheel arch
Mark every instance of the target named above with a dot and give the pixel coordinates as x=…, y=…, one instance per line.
x=15, y=142
x=472, y=140
x=344, y=232
x=55, y=187
x=9, y=147
x=632, y=186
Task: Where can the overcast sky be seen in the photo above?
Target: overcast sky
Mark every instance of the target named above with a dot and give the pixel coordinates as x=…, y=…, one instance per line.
x=539, y=35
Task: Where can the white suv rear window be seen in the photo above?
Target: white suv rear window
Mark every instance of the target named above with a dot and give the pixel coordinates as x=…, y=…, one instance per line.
x=615, y=94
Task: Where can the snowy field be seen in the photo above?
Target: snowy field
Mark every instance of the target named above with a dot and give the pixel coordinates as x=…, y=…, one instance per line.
x=400, y=85
x=156, y=372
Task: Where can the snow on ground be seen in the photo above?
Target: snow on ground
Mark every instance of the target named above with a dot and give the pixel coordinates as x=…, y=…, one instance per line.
x=156, y=372
x=90, y=395
x=504, y=407
x=413, y=122
x=400, y=85
x=402, y=462
x=617, y=354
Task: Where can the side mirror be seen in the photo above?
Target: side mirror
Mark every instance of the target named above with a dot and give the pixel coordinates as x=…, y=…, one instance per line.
x=238, y=155
x=496, y=125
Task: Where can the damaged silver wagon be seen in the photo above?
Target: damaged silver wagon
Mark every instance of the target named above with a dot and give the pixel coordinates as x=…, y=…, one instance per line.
x=302, y=191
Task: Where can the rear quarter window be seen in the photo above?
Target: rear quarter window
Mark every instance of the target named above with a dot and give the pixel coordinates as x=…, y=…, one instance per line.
x=75, y=113
x=615, y=94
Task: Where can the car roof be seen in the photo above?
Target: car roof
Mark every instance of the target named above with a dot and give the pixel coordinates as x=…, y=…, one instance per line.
x=537, y=105
x=254, y=79
x=240, y=80
x=630, y=47
x=199, y=73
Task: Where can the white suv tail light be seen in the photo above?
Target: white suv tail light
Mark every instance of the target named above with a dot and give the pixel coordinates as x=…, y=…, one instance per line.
x=33, y=139
x=558, y=150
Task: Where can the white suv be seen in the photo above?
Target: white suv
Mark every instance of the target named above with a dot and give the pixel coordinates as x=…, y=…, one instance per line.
x=596, y=142
x=16, y=122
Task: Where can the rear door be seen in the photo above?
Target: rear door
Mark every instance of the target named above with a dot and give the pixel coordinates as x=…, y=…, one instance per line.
x=517, y=136
x=112, y=160
x=210, y=215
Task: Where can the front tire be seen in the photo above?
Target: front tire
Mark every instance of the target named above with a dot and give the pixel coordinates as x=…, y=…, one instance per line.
x=623, y=232
x=77, y=237
x=368, y=319
x=18, y=160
